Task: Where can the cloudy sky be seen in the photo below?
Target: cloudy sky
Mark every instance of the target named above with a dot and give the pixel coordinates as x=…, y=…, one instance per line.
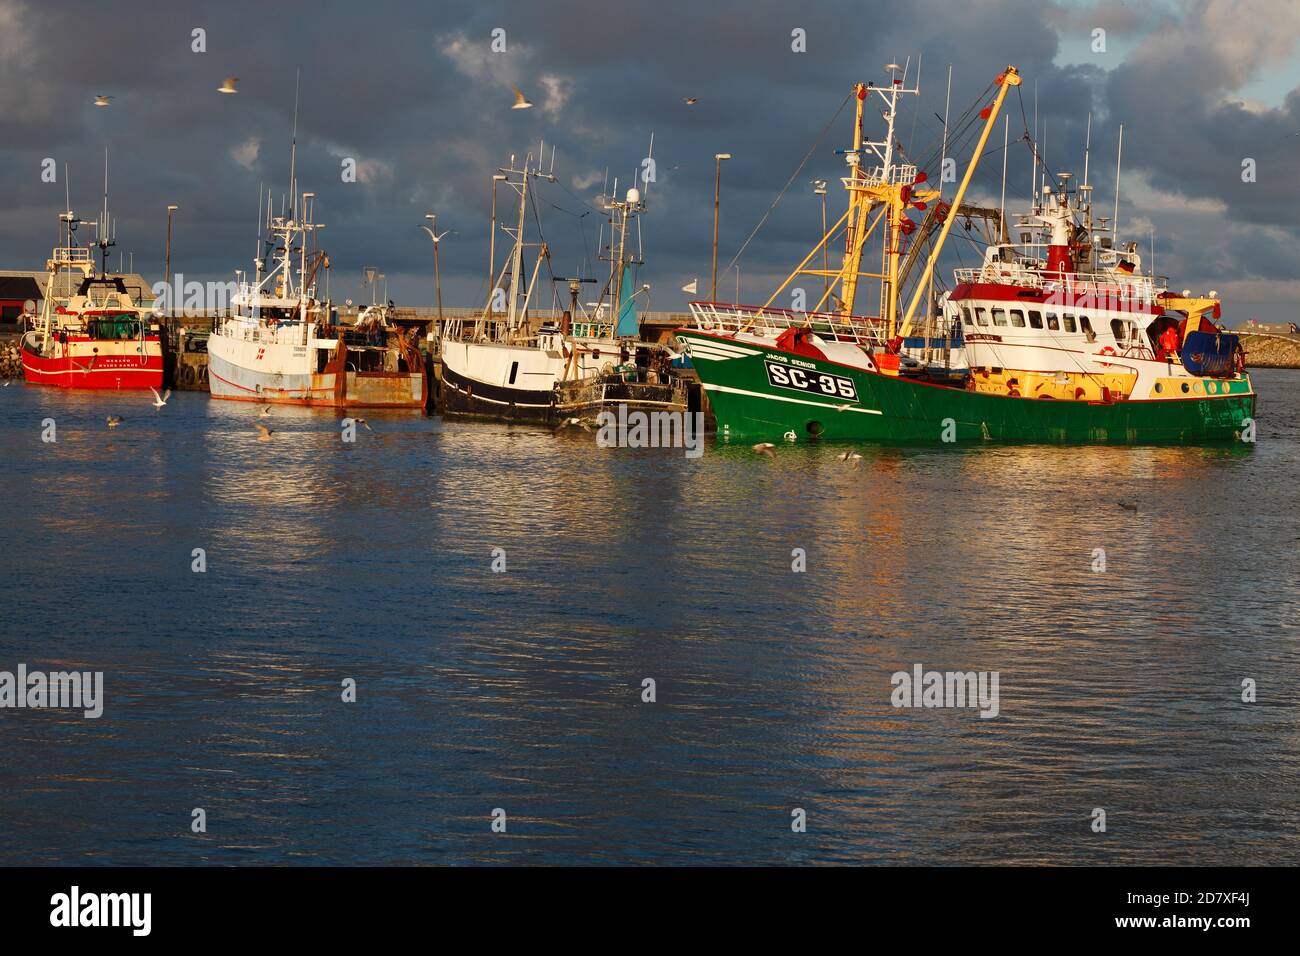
x=414, y=93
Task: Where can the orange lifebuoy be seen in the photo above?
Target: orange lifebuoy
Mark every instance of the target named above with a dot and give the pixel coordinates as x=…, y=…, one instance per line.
x=1107, y=351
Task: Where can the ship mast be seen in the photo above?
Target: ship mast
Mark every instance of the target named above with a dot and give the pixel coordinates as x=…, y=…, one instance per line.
x=103, y=235
x=515, y=313
x=1005, y=81
x=621, y=213
x=892, y=187
x=517, y=261
x=892, y=175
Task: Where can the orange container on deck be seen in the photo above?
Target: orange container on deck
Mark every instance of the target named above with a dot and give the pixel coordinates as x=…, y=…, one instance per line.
x=887, y=363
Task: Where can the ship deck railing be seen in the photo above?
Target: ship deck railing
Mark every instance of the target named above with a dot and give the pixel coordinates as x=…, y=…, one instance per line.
x=72, y=255
x=728, y=318
x=1140, y=289
x=897, y=173
x=488, y=328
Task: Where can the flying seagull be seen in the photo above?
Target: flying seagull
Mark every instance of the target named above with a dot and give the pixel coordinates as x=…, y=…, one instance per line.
x=264, y=432
x=266, y=411
x=690, y=100
x=102, y=100
x=765, y=448
x=113, y=420
x=849, y=456
x=521, y=103
x=160, y=400
x=362, y=421
x=228, y=85
x=573, y=423
x=1127, y=505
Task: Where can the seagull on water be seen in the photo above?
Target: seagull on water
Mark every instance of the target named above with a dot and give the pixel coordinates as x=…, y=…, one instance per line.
x=160, y=400
x=1127, y=505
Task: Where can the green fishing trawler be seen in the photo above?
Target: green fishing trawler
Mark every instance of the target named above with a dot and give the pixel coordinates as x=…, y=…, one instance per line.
x=1058, y=337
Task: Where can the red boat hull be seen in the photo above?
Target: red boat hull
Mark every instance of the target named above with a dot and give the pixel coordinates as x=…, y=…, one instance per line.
x=109, y=368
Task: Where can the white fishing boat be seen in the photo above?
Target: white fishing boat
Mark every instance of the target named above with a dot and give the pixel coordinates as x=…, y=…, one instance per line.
x=281, y=345
x=498, y=367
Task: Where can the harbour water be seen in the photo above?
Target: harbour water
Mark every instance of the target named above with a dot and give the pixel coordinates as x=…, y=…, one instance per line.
x=522, y=690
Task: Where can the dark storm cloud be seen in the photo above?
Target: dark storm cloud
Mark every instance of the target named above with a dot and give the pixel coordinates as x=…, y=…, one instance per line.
x=413, y=93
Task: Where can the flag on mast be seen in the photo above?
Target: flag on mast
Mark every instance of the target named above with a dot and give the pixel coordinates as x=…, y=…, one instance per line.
x=627, y=320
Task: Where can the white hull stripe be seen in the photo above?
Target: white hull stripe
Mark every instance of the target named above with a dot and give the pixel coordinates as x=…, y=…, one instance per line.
x=493, y=401
x=724, y=347
x=102, y=370
x=713, y=356
x=793, y=401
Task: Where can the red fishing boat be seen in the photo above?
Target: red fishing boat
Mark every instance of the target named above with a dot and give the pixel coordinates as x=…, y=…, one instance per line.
x=95, y=336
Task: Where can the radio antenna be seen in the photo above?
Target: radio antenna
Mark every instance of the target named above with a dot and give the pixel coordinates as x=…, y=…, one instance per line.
x=293, y=149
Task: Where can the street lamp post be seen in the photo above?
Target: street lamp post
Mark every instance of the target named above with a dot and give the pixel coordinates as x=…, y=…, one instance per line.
x=437, y=271
x=717, y=196
x=170, y=291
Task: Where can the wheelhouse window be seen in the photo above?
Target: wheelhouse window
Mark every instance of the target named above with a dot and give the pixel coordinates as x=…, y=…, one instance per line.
x=981, y=316
x=1086, y=326
x=966, y=318
x=1068, y=319
x=1017, y=318
x=1035, y=319
x=999, y=316
x=1053, y=322
x=122, y=326
x=1120, y=330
